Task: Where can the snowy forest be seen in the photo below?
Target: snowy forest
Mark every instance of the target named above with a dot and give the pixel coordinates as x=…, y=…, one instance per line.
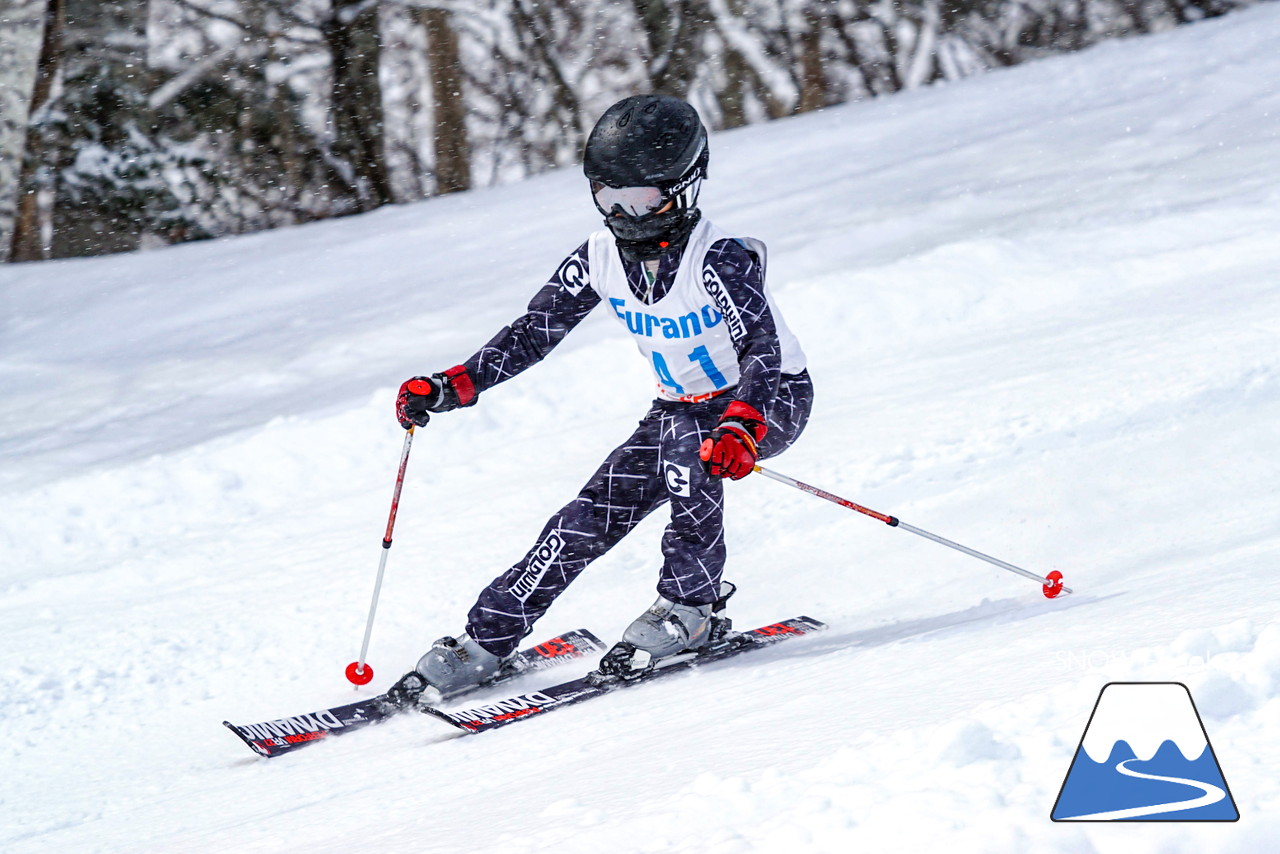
x=126, y=124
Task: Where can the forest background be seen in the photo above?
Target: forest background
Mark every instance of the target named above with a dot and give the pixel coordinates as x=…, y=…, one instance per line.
x=129, y=124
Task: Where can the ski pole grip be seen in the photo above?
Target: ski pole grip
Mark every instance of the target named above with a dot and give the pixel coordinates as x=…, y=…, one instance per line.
x=422, y=387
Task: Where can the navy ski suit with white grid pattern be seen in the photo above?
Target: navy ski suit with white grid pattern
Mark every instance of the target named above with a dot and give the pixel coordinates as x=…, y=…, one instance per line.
x=657, y=464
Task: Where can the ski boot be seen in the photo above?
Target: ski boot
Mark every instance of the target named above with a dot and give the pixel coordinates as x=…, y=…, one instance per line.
x=452, y=666
x=668, y=629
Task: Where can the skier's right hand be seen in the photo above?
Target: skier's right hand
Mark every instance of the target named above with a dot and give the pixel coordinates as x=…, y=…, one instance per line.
x=413, y=404
x=441, y=392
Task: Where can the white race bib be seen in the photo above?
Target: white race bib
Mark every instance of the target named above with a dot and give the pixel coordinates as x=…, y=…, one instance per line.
x=688, y=336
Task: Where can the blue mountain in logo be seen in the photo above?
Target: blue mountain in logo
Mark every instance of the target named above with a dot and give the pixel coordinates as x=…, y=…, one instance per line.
x=1102, y=788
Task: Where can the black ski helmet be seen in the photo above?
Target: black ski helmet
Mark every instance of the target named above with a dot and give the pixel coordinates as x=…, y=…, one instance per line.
x=647, y=142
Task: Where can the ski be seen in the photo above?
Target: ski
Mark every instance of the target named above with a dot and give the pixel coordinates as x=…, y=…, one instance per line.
x=536, y=703
x=283, y=735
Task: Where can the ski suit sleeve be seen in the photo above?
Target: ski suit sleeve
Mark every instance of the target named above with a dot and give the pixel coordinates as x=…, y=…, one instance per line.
x=759, y=353
x=558, y=307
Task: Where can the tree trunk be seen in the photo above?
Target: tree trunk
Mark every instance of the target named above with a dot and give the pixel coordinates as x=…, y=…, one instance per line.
x=104, y=87
x=675, y=31
x=28, y=242
x=813, y=82
x=353, y=36
x=449, y=111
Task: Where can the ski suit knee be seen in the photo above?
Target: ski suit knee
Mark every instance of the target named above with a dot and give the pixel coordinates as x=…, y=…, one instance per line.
x=657, y=464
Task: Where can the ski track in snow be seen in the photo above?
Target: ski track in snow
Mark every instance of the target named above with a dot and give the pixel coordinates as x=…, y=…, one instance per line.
x=1041, y=313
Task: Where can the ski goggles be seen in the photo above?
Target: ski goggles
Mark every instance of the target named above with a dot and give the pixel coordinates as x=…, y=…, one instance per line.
x=632, y=201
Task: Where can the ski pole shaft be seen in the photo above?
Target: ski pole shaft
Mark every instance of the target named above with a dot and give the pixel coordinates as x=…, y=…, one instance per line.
x=358, y=672
x=1052, y=583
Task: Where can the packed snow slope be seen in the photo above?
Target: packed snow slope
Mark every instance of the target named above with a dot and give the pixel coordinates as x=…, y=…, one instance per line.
x=1042, y=317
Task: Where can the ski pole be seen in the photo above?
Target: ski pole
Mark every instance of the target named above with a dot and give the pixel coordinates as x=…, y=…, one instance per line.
x=1052, y=584
x=359, y=673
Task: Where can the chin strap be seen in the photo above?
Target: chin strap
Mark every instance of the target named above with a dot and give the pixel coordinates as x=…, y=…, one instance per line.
x=673, y=238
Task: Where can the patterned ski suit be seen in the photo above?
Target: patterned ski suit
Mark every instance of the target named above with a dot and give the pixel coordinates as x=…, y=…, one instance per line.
x=659, y=462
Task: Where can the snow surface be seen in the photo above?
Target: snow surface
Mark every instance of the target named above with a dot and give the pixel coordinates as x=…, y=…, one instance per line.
x=1042, y=315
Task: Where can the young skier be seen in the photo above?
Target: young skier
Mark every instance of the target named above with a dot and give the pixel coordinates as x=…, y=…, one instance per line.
x=732, y=388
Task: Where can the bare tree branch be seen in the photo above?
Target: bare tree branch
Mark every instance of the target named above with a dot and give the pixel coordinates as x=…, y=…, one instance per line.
x=177, y=84
x=258, y=32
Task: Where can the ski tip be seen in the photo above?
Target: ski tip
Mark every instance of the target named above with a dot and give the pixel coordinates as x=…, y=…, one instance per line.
x=590, y=636
x=240, y=735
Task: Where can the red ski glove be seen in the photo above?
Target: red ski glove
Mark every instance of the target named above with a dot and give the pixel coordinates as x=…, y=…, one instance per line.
x=731, y=449
x=421, y=396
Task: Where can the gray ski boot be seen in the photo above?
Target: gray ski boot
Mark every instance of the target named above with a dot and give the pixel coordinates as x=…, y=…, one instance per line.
x=452, y=666
x=667, y=629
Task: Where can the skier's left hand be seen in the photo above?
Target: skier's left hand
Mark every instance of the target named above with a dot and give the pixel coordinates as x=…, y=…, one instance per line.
x=732, y=448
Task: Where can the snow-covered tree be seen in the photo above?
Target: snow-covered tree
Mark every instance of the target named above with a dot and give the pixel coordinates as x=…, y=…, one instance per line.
x=166, y=120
